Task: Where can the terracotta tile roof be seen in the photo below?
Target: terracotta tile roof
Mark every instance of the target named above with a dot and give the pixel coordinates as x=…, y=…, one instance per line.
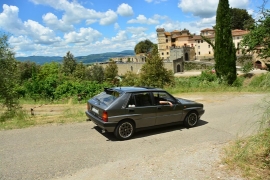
x=239, y=32
x=167, y=33
x=207, y=29
x=175, y=35
x=196, y=37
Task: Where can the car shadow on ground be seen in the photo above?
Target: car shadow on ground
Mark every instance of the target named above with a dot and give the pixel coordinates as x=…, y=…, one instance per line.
x=151, y=131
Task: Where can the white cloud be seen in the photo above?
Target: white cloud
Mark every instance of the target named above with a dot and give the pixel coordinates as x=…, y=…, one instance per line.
x=110, y=17
x=141, y=19
x=74, y=12
x=155, y=1
x=136, y=30
x=9, y=20
x=116, y=26
x=243, y=4
x=39, y=33
x=52, y=21
x=125, y=10
x=85, y=35
x=207, y=8
x=120, y=37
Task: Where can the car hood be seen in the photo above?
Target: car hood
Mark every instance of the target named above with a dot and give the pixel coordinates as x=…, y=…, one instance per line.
x=186, y=101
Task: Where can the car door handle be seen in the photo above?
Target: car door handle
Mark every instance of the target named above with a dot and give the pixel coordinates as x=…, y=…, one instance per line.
x=131, y=110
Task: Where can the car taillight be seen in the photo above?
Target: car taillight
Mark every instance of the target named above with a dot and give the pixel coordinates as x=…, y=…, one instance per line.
x=105, y=116
x=88, y=106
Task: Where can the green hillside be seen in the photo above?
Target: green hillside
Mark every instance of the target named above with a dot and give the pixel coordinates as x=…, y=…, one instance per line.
x=92, y=58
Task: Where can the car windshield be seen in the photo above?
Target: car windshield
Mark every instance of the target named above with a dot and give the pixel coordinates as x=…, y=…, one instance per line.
x=107, y=97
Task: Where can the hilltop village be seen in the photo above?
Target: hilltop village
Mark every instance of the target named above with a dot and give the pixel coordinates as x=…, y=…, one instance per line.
x=181, y=46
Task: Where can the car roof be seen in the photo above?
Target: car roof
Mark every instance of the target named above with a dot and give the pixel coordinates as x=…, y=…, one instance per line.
x=135, y=89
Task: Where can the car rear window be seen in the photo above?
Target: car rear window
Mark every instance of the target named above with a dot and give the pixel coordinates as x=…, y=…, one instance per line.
x=107, y=97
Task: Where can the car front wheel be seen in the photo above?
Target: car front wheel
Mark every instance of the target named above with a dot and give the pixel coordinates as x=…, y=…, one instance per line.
x=191, y=119
x=124, y=130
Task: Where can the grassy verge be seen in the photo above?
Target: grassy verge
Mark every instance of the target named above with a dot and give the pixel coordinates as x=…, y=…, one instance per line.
x=252, y=155
x=43, y=113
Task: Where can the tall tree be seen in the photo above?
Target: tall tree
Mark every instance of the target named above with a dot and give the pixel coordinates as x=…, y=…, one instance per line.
x=69, y=64
x=9, y=77
x=153, y=72
x=241, y=19
x=79, y=72
x=225, y=53
x=95, y=73
x=143, y=46
x=111, y=71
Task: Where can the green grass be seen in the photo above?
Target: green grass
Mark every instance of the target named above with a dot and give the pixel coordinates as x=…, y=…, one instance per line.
x=251, y=155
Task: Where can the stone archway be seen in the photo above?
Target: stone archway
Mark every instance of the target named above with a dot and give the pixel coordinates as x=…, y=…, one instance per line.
x=258, y=65
x=186, y=56
x=178, y=68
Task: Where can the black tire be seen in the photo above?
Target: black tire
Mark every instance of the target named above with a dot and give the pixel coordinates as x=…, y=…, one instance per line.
x=191, y=119
x=124, y=130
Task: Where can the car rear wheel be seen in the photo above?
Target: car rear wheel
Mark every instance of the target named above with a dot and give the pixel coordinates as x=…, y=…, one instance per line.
x=191, y=119
x=124, y=130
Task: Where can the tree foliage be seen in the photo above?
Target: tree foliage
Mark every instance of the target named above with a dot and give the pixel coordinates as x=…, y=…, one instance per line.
x=153, y=72
x=259, y=37
x=95, y=73
x=69, y=64
x=241, y=19
x=9, y=77
x=143, y=47
x=111, y=71
x=225, y=53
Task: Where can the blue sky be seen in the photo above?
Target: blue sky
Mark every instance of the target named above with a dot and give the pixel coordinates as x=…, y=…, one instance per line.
x=83, y=27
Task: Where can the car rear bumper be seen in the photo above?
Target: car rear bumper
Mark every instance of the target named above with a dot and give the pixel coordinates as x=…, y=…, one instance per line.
x=201, y=112
x=107, y=126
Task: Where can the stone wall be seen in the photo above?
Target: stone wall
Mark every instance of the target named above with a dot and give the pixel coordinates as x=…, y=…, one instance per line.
x=135, y=67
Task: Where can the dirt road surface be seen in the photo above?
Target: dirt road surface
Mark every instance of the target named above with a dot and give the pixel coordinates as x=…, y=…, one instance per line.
x=80, y=151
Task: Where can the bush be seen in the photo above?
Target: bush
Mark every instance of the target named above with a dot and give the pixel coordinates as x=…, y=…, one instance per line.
x=262, y=81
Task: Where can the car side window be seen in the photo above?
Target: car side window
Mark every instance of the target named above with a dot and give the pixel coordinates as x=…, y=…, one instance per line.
x=161, y=97
x=140, y=99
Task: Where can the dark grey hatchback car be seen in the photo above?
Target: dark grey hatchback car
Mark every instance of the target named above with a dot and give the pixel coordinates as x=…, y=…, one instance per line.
x=123, y=110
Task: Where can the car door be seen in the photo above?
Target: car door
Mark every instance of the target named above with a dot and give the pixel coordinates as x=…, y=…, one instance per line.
x=165, y=112
x=142, y=110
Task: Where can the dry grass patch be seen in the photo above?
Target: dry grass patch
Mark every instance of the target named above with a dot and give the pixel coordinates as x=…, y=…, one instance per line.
x=45, y=114
x=251, y=156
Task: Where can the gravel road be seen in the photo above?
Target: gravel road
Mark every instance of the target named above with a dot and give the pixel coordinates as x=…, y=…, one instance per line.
x=81, y=152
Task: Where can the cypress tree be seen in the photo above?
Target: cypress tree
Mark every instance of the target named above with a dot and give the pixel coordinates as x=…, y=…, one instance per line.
x=225, y=52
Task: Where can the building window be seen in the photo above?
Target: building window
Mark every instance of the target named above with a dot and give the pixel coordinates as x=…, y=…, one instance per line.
x=166, y=47
x=237, y=37
x=162, y=53
x=201, y=41
x=198, y=47
x=167, y=53
x=166, y=40
x=209, y=52
x=208, y=45
x=198, y=41
x=199, y=53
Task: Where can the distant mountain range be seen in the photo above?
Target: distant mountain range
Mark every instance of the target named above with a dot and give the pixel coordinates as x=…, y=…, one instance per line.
x=92, y=58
